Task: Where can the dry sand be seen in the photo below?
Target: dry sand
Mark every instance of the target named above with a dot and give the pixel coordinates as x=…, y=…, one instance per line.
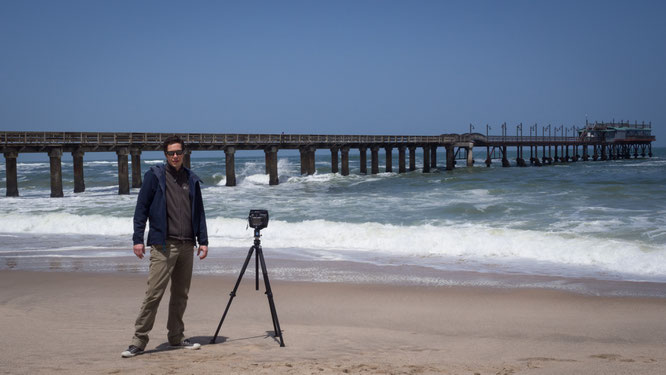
x=73, y=322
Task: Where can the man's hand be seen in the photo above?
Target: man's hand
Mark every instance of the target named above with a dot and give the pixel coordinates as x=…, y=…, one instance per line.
x=139, y=250
x=202, y=251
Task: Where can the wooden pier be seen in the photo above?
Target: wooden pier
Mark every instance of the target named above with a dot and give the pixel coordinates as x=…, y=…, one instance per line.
x=129, y=146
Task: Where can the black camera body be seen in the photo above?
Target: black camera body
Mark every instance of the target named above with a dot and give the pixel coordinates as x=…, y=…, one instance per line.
x=258, y=219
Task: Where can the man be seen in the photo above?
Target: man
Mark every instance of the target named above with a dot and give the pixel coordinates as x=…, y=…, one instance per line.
x=170, y=199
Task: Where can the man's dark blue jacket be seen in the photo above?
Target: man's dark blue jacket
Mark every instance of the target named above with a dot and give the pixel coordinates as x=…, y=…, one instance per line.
x=151, y=206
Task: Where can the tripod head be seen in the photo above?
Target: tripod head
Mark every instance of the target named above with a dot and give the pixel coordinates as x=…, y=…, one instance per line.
x=258, y=220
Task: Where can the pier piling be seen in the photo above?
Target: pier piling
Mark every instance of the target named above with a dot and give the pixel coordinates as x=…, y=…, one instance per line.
x=79, y=182
x=344, y=151
x=230, y=167
x=272, y=165
x=55, y=156
x=363, y=159
x=412, y=158
x=135, y=152
x=334, y=160
x=433, y=157
x=401, y=159
x=123, y=171
x=426, y=159
x=450, y=157
x=311, y=160
x=505, y=157
x=187, y=158
x=470, y=155
x=374, y=159
x=389, y=159
x=11, y=173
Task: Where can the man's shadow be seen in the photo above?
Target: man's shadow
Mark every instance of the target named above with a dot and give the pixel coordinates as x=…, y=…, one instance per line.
x=202, y=340
x=206, y=340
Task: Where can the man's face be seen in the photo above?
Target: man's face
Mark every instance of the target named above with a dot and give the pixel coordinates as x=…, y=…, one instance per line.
x=172, y=156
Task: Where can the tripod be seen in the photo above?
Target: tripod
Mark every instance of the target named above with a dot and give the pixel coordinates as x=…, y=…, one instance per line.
x=259, y=258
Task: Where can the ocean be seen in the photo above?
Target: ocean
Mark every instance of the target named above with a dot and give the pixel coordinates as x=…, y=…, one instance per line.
x=591, y=227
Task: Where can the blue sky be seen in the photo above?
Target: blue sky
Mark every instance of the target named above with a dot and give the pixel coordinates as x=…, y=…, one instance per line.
x=329, y=67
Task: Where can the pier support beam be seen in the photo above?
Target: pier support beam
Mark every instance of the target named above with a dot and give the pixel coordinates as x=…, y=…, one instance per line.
x=412, y=158
x=426, y=159
x=272, y=165
x=389, y=159
x=401, y=159
x=334, y=160
x=586, y=157
x=10, y=173
x=470, y=155
x=55, y=156
x=537, y=162
x=363, y=159
x=308, y=160
x=135, y=152
x=488, y=158
x=505, y=159
x=450, y=157
x=520, y=161
x=79, y=182
x=344, y=152
x=230, y=165
x=187, y=159
x=311, y=160
x=374, y=159
x=123, y=171
x=433, y=157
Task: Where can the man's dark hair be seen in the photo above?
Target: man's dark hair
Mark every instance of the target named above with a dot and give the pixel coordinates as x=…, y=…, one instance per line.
x=171, y=140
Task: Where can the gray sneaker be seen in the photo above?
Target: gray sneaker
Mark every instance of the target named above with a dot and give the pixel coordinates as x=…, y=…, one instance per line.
x=186, y=344
x=131, y=351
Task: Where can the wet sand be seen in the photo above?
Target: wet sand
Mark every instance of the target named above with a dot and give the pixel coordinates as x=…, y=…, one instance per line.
x=78, y=322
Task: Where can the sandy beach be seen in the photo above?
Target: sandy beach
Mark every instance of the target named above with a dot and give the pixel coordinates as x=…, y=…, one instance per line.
x=76, y=322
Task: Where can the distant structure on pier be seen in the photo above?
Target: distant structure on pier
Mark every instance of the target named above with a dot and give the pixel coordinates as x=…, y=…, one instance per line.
x=617, y=132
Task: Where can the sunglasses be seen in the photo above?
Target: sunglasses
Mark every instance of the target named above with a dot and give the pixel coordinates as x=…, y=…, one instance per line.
x=171, y=153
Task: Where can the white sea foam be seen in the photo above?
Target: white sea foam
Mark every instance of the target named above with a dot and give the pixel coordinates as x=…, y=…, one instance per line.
x=100, y=162
x=428, y=244
x=65, y=223
x=468, y=242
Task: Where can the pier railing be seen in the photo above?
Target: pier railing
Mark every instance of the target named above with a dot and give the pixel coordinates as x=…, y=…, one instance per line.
x=107, y=138
x=532, y=139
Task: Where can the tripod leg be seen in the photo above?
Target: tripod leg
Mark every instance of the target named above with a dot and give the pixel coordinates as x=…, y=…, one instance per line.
x=269, y=294
x=256, y=271
x=233, y=293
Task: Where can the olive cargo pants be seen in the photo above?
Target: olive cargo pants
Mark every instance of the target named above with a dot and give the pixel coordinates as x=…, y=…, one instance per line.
x=176, y=265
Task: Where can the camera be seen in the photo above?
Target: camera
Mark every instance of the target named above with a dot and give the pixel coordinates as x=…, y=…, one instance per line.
x=258, y=219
